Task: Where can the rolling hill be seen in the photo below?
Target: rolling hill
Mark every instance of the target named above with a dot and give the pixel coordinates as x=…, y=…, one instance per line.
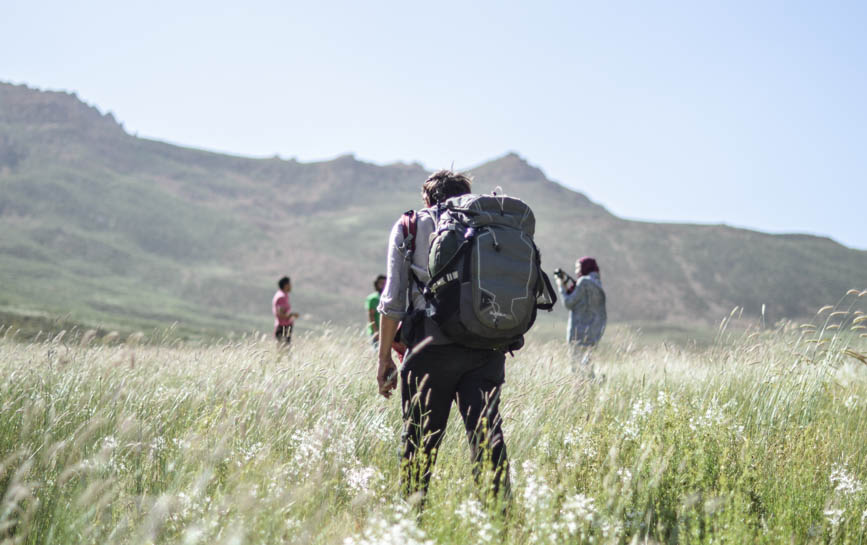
x=112, y=229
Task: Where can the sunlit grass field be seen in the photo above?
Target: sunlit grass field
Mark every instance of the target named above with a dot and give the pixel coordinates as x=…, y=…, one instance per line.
x=759, y=438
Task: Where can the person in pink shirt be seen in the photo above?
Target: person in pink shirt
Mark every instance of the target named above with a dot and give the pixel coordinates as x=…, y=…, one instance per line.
x=284, y=318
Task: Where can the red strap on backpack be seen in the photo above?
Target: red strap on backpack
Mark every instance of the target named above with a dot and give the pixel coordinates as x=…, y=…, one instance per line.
x=400, y=348
x=409, y=226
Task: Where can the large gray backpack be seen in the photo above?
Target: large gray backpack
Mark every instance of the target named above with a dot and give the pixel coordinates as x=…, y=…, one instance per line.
x=486, y=279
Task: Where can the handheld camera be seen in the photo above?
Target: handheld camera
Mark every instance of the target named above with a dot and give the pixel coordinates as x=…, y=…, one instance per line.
x=563, y=275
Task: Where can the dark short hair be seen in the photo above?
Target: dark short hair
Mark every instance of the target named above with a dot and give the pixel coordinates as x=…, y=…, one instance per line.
x=378, y=278
x=444, y=184
x=283, y=281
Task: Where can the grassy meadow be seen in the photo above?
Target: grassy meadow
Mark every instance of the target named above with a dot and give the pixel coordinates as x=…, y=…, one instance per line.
x=759, y=437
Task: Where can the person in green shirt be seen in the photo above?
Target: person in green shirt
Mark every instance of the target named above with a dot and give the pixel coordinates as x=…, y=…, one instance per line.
x=370, y=304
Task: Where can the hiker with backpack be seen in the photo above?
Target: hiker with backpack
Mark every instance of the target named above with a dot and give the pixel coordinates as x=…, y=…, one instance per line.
x=463, y=283
x=585, y=300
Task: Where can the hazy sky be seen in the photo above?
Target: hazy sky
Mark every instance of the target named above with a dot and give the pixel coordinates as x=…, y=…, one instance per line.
x=748, y=113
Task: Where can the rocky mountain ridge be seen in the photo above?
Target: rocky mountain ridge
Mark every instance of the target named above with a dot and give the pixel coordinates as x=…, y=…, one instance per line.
x=107, y=226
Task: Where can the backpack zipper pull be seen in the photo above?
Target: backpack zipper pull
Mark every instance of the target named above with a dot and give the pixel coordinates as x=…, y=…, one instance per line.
x=494, y=236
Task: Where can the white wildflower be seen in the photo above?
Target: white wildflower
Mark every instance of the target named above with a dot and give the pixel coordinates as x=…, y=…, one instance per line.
x=380, y=430
x=251, y=452
x=610, y=529
x=109, y=458
x=158, y=444
x=471, y=512
x=183, y=504
x=187, y=508
x=843, y=481
x=537, y=493
x=309, y=450
x=331, y=436
x=834, y=516
x=89, y=464
x=277, y=484
x=664, y=399
x=625, y=475
x=398, y=529
x=582, y=441
x=193, y=535
x=640, y=410
x=851, y=402
x=117, y=465
x=578, y=508
x=544, y=445
x=575, y=519
x=360, y=479
x=713, y=417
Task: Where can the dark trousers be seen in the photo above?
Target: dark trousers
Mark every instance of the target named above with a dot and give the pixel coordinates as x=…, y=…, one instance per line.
x=430, y=381
x=283, y=333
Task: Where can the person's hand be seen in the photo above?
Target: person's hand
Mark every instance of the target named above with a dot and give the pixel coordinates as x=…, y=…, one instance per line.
x=294, y=316
x=386, y=376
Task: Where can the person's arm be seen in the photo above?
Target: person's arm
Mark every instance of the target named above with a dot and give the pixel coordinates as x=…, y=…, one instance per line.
x=371, y=319
x=570, y=299
x=392, y=308
x=284, y=310
x=386, y=373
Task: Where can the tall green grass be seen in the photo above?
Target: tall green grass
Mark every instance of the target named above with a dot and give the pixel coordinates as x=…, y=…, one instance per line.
x=759, y=438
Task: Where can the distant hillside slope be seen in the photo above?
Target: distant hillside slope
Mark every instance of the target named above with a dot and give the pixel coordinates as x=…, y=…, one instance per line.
x=111, y=228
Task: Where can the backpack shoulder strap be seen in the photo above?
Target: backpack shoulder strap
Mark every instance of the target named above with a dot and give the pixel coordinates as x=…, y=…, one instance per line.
x=546, y=286
x=552, y=295
x=409, y=226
